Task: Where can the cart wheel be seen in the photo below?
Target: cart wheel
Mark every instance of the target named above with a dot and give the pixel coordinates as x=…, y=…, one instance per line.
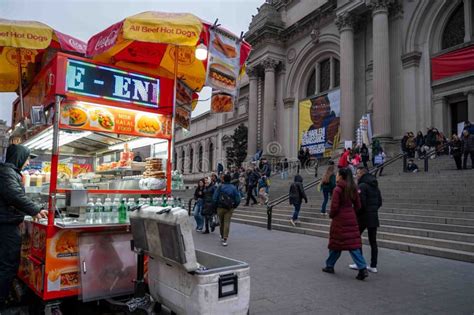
x=157, y=308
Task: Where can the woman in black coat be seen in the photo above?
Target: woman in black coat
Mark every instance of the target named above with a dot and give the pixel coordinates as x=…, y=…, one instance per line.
x=209, y=207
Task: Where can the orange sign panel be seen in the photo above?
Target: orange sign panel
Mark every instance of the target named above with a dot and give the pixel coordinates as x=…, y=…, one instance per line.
x=93, y=117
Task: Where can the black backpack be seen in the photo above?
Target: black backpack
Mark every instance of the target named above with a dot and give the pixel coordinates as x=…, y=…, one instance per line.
x=225, y=201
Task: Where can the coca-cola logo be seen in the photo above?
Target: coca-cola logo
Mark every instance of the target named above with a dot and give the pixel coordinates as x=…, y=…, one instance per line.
x=81, y=47
x=106, y=41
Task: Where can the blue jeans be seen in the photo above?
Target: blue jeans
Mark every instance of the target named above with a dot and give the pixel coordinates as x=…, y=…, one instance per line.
x=296, y=211
x=284, y=174
x=198, y=215
x=326, y=194
x=356, y=255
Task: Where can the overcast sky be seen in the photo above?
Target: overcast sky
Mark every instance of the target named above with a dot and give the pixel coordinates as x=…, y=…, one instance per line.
x=84, y=18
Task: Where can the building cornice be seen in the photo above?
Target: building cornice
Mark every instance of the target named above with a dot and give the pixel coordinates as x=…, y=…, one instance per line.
x=411, y=59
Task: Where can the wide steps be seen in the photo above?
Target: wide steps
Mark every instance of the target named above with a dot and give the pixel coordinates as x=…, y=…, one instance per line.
x=382, y=242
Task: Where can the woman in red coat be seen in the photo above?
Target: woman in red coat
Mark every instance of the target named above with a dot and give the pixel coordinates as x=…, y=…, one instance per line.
x=344, y=233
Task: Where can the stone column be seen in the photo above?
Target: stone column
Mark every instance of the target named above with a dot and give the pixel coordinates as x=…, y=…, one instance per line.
x=345, y=23
x=332, y=77
x=186, y=161
x=468, y=21
x=382, y=121
x=269, y=102
x=204, y=156
x=318, y=78
x=470, y=106
x=252, y=112
x=438, y=114
x=194, y=164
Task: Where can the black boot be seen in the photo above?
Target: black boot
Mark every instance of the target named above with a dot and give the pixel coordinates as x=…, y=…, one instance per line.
x=328, y=269
x=362, y=274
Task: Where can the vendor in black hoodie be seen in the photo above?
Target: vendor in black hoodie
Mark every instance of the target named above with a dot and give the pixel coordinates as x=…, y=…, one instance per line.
x=368, y=214
x=14, y=205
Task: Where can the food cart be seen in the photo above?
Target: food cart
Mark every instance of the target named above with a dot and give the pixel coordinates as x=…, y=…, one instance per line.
x=85, y=120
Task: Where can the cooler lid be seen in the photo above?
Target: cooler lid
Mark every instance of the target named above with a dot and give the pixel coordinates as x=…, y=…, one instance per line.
x=165, y=233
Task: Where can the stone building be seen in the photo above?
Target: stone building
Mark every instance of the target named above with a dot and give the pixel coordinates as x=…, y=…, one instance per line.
x=4, y=136
x=379, y=53
x=198, y=150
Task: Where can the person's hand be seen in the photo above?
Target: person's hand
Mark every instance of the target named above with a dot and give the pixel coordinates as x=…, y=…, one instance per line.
x=43, y=214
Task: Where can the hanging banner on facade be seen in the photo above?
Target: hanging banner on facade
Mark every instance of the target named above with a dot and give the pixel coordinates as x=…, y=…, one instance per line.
x=319, y=121
x=223, y=69
x=365, y=129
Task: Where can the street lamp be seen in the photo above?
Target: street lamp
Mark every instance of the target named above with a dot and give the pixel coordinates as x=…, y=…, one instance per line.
x=201, y=51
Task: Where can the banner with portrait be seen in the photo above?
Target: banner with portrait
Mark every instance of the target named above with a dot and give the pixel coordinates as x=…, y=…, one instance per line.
x=319, y=121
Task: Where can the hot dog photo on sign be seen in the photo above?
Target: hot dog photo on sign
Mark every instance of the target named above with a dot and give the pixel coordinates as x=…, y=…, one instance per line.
x=223, y=70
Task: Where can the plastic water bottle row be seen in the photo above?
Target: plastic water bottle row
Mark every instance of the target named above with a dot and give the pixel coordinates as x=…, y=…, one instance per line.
x=117, y=211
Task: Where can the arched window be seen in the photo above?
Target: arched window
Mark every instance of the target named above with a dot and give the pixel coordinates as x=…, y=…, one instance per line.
x=183, y=157
x=324, y=78
x=211, y=157
x=191, y=160
x=453, y=33
x=200, y=158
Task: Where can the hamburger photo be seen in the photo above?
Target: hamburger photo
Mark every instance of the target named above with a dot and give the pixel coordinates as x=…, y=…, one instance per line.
x=222, y=77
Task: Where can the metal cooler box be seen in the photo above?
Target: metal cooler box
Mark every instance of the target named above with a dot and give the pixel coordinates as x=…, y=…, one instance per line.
x=186, y=280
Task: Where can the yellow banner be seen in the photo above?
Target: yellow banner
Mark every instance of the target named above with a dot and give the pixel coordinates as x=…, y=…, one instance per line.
x=9, y=77
x=304, y=119
x=159, y=27
x=25, y=34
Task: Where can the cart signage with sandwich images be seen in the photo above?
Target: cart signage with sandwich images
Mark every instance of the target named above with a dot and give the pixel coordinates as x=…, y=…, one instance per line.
x=94, y=117
x=98, y=81
x=223, y=70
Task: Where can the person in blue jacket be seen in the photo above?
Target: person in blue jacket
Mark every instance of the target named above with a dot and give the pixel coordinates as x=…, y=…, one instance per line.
x=227, y=198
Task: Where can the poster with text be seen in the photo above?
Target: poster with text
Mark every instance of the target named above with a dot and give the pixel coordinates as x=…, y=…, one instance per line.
x=319, y=121
x=223, y=69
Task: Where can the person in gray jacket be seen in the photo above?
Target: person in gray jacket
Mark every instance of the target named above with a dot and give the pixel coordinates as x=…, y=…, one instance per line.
x=14, y=205
x=297, y=195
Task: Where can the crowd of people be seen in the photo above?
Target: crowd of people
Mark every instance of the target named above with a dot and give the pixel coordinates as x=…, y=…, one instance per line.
x=459, y=147
x=218, y=195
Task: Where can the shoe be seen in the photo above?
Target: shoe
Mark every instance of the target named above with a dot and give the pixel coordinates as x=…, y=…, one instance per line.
x=373, y=270
x=224, y=242
x=253, y=204
x=353, y=267
x=246, y=205
x=328, y=269
x=292, y=222
x=205, y=232
x=362, y=274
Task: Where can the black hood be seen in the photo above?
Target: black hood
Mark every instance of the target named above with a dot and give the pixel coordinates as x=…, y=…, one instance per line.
x=17, y=155
x=298, y=179
x=369, y=179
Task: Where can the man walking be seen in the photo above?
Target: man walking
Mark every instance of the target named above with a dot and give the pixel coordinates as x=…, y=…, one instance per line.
x=252, y=179
x=367, y=215
x=14, y=205
x=227, y=198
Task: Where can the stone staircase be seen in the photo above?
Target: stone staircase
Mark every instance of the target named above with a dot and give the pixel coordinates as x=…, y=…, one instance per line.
x=426, y=213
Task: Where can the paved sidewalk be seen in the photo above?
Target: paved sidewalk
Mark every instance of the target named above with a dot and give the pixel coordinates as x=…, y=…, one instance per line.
x=286, y=277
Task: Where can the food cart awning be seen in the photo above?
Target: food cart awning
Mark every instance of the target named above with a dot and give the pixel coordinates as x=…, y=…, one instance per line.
x=147, y=41
x=30, y=40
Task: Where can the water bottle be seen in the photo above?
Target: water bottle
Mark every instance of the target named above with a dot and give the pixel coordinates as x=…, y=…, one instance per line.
x=114, y=217
x=107, y=214
x=98, y=211
x=149, y=202
x=122, y=212
x=130, y=204
x=165, y=199
x=90, y=211
x=156, y=201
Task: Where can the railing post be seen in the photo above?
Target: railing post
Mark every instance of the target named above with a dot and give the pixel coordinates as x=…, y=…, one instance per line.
x=404, y=162
x=269, y=217
x=426, y=163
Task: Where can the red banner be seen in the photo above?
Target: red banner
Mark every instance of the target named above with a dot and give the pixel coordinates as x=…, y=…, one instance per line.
x=452, y=63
